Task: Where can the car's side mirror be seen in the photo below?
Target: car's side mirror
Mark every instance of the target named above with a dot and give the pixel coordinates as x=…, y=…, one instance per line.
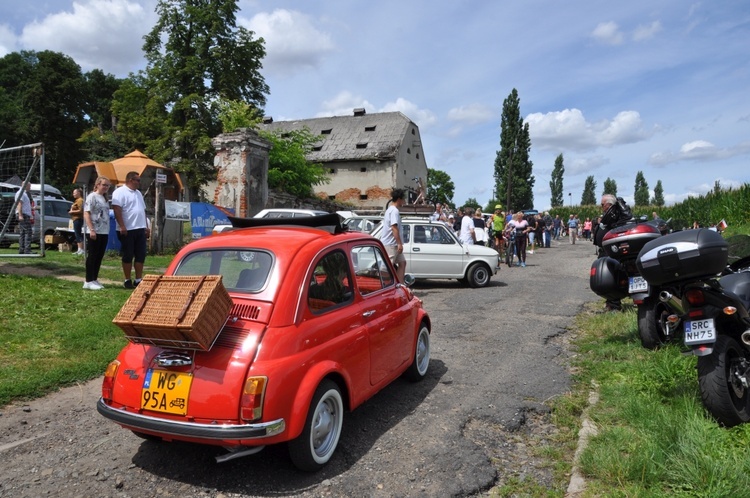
x=409, y=280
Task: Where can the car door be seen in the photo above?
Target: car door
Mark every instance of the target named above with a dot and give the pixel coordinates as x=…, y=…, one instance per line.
x=386, y=309
x=435, y=253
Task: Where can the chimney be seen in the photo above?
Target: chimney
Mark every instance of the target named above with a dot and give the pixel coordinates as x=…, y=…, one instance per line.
x=359, y=111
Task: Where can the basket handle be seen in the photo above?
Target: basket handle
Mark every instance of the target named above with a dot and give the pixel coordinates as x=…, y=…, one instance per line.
x=145, y=297
x=190, y=298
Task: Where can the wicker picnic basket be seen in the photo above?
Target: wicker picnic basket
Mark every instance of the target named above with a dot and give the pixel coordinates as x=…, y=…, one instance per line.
x=183, y=312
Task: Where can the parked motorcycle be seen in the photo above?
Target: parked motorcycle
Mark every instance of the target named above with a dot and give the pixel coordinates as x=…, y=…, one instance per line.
x=615, y=276
x=712, y=311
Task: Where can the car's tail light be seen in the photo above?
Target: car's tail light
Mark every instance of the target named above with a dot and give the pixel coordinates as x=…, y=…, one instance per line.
x=251, y=404
x=108, y=385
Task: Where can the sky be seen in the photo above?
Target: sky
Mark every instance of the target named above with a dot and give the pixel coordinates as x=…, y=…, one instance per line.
x=615, y=87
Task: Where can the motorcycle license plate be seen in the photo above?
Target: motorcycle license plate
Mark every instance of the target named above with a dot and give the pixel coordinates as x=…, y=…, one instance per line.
x=700, y=332
x=637, y=284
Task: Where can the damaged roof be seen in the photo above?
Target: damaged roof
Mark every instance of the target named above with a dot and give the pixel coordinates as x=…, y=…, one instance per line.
x=352, y=138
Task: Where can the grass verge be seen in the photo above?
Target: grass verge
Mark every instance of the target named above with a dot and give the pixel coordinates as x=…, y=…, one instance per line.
x=654, y=436
x=52, y=332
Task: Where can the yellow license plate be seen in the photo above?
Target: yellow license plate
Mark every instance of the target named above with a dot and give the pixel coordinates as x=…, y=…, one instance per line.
x=165, y=391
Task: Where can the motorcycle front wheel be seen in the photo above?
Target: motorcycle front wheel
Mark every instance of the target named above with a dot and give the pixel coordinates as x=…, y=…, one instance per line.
x=652, y=323
x=720, y=380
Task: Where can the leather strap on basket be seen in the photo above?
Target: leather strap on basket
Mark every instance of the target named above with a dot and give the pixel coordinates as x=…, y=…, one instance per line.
x=190, y=298
x=145, y=296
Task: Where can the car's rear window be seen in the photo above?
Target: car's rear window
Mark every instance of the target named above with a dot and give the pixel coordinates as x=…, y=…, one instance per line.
x=241, y=271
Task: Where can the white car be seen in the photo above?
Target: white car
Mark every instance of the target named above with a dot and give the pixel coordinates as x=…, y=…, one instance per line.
x=432, y=250
x=276, y=213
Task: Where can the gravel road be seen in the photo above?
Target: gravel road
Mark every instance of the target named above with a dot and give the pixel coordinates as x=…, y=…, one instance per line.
x=498, y=354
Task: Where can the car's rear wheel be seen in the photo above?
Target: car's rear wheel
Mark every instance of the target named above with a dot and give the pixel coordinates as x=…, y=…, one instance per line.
x=478, y=275
x=421, y=361
x=315, y=446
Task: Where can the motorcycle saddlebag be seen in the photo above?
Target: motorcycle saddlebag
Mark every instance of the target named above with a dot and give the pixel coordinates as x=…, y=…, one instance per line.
x=681, y=256
x=608, y=279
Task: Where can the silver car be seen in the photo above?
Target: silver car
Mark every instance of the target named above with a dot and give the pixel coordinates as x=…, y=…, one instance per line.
x=432, y=250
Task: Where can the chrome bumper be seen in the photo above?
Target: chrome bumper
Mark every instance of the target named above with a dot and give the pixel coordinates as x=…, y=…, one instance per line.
x=190, y=429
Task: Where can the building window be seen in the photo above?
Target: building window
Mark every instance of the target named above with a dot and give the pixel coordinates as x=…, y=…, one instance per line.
x=317, y=148
x=369, y=128
x=331, y=197
x=417, y=155
x=413, y=132
x=332, y=171
x=326, y=132
x=363, y=170
x=362, y=145
x=408, y=150
x=363, y=197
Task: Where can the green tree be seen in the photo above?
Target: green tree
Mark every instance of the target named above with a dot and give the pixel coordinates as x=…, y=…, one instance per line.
x=440, y=187
x=101, y=142
x=42, y=100
x=512, y=160
x=236, y=114
x=556, y=184
x=588, y=198
x=288, y=170
x=610, y=187
x=472, y=203
x=490, y=206
x=196, y=58
x=658, y=199
x=641, y=195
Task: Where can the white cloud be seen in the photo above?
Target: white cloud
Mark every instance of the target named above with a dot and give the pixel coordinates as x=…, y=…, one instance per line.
x=7, y=40
x=343, y=104
x=424, y=118
x=569, y=130
x=699, y=151
x=584, y=165
x=103, y=34
x=644, y=32
x=472, y=114
x=608, y=32
x=291, y=39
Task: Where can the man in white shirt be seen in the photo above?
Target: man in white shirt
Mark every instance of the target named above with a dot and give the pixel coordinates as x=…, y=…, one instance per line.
x=390, y=236
x=133, y=227
x=467, y=235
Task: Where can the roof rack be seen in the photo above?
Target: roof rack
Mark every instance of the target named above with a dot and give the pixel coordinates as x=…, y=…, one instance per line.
x=328, y=222
x=417, y=210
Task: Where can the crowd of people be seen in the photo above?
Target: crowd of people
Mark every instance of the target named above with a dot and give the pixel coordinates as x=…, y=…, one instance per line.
x=527, y=232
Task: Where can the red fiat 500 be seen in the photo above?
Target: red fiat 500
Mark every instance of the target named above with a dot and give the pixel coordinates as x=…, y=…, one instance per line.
x=318, y=324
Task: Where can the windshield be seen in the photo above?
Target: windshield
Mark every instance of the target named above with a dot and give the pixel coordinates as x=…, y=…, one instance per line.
x=241, y=271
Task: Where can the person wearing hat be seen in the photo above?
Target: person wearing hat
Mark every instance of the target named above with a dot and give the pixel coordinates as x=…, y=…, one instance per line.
x=451, y=222
x=498, y=224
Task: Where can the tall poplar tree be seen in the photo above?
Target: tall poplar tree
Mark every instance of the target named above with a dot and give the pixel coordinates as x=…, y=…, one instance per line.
x=658, y=199
x=588, y=198
x=556, y=184
x=610, y=187
x=512, y=165
x=641, y=195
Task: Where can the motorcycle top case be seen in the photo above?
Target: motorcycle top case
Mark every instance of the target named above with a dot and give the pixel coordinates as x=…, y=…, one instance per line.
x=626, y=241
x=681, y=256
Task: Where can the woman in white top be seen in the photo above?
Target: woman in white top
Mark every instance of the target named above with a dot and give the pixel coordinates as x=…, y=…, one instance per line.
x=96, y=221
